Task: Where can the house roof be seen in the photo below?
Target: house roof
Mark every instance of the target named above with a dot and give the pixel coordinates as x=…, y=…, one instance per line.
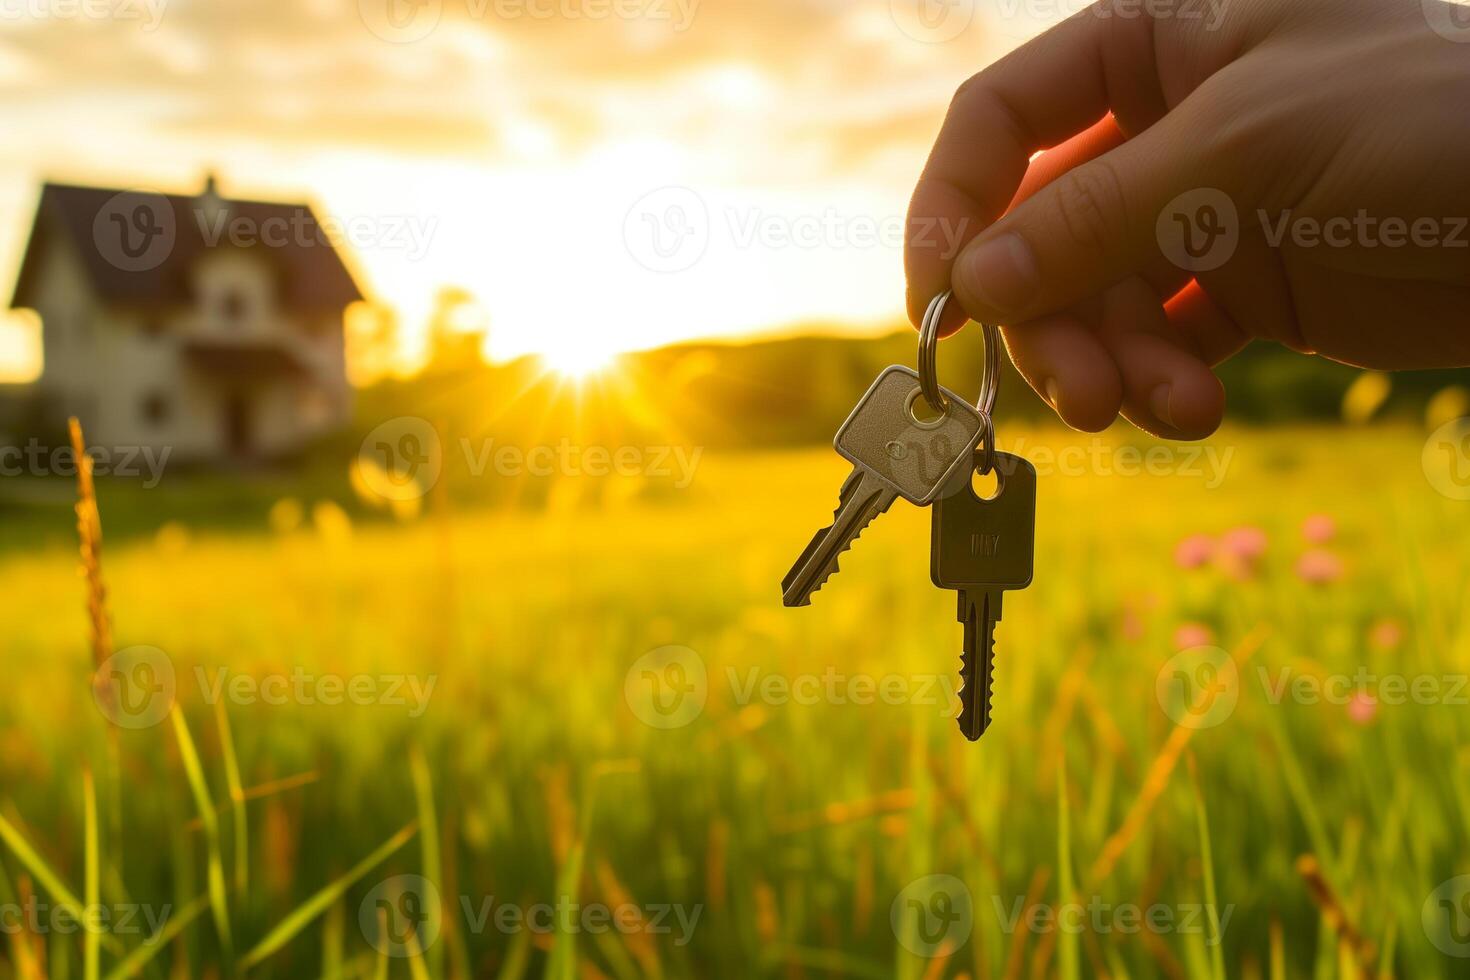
x=179, y=230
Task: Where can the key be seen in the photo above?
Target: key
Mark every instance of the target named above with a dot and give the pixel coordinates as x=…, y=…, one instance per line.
x=983, y=549
x=894, y=453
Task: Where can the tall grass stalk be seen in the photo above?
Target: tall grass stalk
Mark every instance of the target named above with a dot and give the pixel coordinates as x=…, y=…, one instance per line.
x=219, y=905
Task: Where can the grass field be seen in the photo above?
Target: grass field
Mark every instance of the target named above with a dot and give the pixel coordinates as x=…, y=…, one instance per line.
x=787, y=824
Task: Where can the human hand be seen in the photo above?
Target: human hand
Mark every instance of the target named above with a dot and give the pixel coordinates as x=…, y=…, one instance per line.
x=1336, y=131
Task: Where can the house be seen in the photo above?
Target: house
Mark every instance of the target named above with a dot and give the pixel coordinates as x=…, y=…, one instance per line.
x=209, y=326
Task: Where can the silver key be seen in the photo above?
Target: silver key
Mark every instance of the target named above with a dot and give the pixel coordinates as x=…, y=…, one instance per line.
x=894, y=454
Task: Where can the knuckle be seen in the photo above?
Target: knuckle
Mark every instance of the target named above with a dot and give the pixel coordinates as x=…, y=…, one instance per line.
x=1089, y=204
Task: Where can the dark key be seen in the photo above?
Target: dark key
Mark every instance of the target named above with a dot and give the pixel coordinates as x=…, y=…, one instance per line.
x=982, y=549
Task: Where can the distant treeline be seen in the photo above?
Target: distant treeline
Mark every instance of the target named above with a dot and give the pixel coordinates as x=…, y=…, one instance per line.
x=796, y=391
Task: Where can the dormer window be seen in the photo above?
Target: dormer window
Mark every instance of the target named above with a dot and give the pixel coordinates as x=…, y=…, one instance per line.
x=233, y=308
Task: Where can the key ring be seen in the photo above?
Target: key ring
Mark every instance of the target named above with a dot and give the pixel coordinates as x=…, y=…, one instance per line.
x=989, y=381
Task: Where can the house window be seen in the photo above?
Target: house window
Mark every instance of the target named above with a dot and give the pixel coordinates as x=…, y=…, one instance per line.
x=233, y=307
x=156, y=409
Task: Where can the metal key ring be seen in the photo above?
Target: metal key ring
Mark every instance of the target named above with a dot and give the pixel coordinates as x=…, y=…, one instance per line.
x=928, y=356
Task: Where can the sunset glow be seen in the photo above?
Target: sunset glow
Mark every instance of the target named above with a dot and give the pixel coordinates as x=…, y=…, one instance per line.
x=660, y=177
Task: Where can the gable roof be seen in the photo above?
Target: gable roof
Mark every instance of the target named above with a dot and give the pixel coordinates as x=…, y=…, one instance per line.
x=311, y=272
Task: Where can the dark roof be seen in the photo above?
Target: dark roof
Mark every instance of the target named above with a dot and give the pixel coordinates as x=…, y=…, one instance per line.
x=311, y=271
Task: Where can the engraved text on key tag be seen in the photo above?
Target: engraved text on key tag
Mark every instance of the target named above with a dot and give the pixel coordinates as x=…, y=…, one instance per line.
x=917, y=458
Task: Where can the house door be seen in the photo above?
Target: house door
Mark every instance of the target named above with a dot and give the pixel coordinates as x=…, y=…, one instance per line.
x=238, y=429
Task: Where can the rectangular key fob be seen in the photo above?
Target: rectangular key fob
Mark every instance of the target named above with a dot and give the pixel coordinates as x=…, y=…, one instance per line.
x=986, y=543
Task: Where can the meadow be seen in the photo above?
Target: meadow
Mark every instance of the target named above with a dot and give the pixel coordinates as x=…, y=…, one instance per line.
x=581, y=718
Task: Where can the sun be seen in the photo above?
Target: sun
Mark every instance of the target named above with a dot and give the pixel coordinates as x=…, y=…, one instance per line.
x=577, y=362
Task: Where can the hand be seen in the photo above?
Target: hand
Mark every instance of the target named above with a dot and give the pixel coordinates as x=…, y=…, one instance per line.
x=1337, y=131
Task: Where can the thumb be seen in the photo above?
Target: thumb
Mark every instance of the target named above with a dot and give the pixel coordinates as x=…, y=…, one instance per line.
x=1091, y=227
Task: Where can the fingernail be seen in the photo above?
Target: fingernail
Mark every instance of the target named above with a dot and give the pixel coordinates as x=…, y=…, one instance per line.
x=1158, y=403
x=1050, y=387
x=1001, y=273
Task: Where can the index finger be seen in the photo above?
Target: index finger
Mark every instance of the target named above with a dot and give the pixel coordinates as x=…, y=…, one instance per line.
x=1053, y=87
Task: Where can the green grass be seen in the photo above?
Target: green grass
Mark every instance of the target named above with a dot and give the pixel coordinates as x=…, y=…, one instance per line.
x=790, y=826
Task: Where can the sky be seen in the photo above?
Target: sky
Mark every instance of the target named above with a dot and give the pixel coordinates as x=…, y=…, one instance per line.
x=603, y=175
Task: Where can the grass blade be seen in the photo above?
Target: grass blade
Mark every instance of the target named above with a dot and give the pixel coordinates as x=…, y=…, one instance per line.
x=132, y=964
x=423, y=791
x=1207, y=865
x=237, y=797
x=50, y=880
x=91, y=934
x=205, y=807
x=1065, y=882
x=318, y=903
